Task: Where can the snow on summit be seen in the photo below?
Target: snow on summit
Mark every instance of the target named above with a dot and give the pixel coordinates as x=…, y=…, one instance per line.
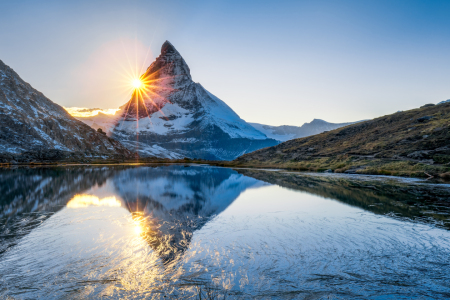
x=174, y=113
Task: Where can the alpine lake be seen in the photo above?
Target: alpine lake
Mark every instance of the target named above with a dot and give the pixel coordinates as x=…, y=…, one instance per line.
x=203, y=232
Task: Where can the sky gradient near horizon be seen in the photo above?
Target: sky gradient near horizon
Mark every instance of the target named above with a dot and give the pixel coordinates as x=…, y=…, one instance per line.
x=272, y=62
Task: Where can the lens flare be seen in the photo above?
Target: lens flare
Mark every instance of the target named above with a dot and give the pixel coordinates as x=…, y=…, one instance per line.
x=137, y=83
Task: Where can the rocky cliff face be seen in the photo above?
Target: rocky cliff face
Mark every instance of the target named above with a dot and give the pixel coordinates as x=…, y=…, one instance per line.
x=33, y=124
x=175, y=117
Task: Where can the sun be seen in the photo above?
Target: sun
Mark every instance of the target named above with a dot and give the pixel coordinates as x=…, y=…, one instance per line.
x=137, y=83
x=138, y=230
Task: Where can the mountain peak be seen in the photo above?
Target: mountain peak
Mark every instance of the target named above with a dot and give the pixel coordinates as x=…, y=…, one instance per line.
x=169, y=69
x=315, y=121
x=167, y=47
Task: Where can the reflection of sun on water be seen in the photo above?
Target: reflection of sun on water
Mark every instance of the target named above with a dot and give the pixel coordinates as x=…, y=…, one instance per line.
x=138, y=229
x=118, y=241
x=139, y=223
x=91, y=200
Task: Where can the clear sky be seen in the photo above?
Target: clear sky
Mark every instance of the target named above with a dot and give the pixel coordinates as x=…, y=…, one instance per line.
x=273, y=62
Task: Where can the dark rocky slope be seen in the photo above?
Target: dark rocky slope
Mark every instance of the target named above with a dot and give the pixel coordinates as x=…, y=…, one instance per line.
x=36, y=129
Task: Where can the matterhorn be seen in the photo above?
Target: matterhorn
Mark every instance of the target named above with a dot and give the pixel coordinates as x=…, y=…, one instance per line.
x=174, y=117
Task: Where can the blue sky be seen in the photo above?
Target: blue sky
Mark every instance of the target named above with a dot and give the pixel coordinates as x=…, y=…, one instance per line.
x=273, y=62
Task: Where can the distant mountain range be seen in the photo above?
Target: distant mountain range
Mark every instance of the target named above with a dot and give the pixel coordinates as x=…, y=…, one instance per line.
x=285, y=132
x=172, y=118
x=33, y=128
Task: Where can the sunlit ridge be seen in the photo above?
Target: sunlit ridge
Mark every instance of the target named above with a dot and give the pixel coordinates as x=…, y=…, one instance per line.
x=85, y=200
x=83, y=112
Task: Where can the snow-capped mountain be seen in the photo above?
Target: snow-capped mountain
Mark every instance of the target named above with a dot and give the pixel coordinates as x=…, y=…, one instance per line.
x=285, y=132
x=32, y=123
x=176, y=117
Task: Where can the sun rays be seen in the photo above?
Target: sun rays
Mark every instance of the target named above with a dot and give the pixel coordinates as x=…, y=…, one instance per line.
x=148, y=94
x=144, y=87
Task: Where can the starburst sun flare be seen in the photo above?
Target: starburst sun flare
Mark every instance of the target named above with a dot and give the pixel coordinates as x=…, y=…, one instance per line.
x=144, y=88
x=137, y=83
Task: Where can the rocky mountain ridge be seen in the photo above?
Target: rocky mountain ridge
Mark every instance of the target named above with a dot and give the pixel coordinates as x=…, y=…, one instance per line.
x=35, y=128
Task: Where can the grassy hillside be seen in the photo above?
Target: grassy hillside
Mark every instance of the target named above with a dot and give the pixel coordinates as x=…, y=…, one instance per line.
x=409, y=143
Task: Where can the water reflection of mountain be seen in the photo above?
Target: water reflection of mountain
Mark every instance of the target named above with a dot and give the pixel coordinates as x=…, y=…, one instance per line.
x=414, y=201
x=173, y=200
x=30, y=195
x=176, y=200
x=25, y=190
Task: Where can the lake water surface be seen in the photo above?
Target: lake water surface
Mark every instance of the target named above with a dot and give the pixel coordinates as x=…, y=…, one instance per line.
x=200, y=232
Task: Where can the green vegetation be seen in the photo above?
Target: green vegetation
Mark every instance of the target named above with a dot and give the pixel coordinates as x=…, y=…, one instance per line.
x=349, y=165
x=411, y=143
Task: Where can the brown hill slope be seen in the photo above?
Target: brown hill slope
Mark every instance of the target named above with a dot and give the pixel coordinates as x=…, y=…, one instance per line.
x=413, y=142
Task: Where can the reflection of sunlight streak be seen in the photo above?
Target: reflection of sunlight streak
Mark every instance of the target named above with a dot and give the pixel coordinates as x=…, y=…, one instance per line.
x=137, y=91
x=125, y=115
x=145, y=106
x=138, y=230
x=85, y=200
x=135, y=268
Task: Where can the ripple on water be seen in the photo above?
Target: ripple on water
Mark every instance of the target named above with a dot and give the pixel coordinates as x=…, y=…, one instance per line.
x=156, y=232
